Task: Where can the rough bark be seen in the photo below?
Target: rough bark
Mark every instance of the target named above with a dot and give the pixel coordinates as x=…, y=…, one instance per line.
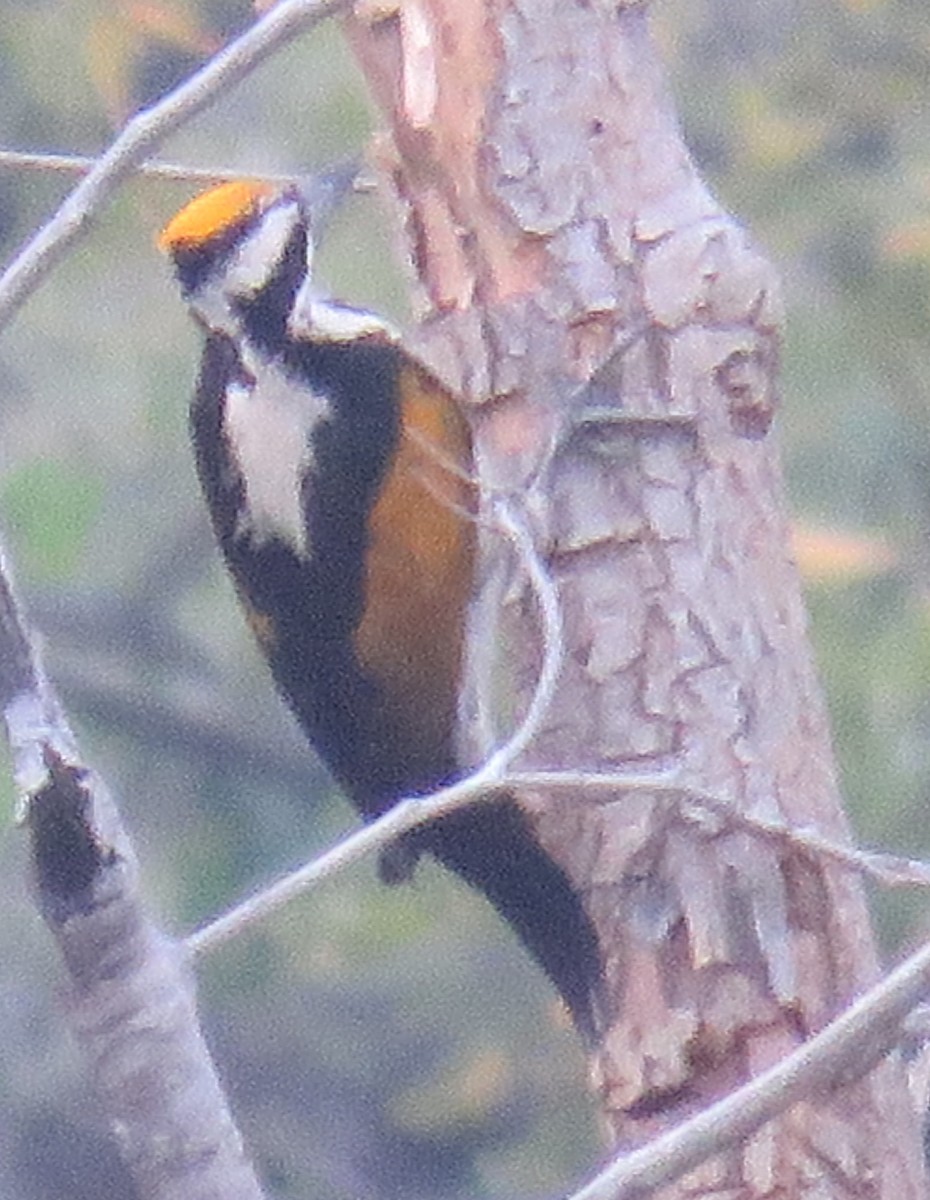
x=617, y=333
x=130, y=1003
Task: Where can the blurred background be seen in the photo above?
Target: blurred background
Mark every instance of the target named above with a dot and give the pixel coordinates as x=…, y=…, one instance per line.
x=399, y=1043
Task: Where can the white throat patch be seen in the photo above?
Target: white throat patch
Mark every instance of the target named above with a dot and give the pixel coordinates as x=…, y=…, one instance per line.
x=269, y=427
x=317, y=318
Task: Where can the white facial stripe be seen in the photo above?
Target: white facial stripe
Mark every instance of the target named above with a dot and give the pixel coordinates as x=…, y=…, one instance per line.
x=269, y=428
x=258, y=255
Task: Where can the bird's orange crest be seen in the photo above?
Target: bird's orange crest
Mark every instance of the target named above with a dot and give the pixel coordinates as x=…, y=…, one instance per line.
x=212, y=213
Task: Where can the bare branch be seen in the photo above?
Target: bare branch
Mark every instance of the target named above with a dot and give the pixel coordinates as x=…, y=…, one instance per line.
x=405, y=815
x=891, y=870
x=505, y=517
x=131, y=1004
x=846, y=1049
x=888, y=869
x=144, y=133
x=82, y=164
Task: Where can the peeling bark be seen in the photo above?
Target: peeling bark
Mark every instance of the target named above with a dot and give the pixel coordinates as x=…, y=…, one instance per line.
x=129, y=998
x=617, y=334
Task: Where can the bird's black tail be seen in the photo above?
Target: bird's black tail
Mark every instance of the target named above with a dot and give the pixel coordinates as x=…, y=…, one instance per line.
x=491, y=846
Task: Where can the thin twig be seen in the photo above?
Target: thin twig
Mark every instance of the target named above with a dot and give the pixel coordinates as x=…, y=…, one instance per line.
x=405, y=815
x=504, y=515
x=889, y=869
x=144, y=133
x=82, y=164
x=849, y=1046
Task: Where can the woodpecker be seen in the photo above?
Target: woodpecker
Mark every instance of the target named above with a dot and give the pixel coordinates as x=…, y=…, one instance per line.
x=337, y=472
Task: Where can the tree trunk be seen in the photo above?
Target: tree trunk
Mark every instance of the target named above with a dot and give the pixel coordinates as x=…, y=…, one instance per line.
x=617, y=335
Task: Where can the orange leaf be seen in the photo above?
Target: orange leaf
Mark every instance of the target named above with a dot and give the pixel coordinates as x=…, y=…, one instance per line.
x=171, y=23
x=909, y=241
x=827, y=555
x=118, y=37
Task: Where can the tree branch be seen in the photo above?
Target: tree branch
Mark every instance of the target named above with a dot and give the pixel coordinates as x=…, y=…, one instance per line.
x=83, y=164
x=846, y=1049
x=130, y=1003
x=890, y=870
x=581, y=264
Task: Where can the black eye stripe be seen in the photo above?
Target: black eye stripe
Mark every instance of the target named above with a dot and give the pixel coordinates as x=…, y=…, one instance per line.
x=196, y=261
x=265, y=315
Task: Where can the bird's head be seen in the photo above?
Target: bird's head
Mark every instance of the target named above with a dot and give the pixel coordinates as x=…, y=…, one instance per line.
x=243, y=256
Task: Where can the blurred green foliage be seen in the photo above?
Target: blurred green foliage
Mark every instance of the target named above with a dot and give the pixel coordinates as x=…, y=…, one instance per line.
x=51, y=506
x=382, y=1043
